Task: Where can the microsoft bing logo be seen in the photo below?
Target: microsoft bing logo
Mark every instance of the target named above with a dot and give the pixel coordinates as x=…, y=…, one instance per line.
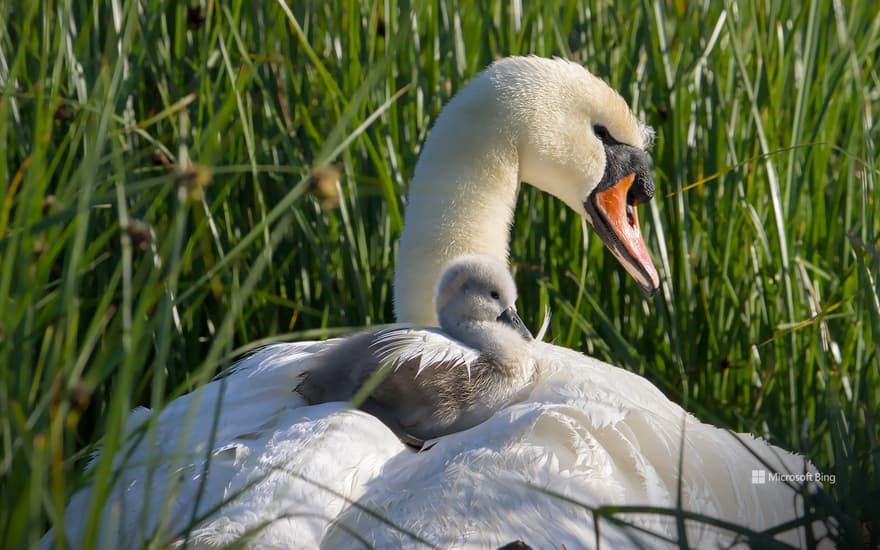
x=759, y=477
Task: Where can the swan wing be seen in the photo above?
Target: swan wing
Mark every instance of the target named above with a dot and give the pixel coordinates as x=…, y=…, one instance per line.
x=539, y=469
x=425, y=347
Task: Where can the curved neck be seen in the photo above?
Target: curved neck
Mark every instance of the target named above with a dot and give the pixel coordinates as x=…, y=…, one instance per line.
x=524, y=118
x=461, y=201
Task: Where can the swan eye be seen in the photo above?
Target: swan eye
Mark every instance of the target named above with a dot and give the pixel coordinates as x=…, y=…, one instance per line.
x=494, y=294
x=604, y=135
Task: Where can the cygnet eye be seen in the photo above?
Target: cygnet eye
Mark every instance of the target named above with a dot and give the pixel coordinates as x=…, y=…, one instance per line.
x=494, y=294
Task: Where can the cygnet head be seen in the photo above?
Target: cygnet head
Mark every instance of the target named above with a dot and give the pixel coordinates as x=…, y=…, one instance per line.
x=477, y=291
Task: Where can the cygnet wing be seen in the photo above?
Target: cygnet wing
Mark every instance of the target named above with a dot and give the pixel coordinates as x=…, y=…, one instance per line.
x=427, y=346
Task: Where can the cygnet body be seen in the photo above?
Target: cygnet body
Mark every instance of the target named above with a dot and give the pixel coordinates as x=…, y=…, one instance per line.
x=437, y=381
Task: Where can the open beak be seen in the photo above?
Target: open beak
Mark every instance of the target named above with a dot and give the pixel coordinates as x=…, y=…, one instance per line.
x=510, y=317
x=617, y=223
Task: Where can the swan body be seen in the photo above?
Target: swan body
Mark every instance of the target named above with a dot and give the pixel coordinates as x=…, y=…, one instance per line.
x=245, y=459
x=292, y=473
x=437, y=381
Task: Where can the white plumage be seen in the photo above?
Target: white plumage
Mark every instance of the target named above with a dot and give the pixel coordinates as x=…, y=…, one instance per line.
x=590, y=432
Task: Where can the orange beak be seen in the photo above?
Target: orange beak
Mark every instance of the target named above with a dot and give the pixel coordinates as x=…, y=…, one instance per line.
x=617, y=223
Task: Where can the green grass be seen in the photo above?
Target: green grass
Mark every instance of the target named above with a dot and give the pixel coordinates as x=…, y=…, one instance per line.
x=157, y=216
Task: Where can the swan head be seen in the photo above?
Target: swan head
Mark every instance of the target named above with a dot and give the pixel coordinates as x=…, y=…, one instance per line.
x=477, y=290
x=578, y=140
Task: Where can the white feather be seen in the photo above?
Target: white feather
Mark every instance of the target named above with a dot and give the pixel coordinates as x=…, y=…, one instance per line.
x=428, y=346
x=542, y=332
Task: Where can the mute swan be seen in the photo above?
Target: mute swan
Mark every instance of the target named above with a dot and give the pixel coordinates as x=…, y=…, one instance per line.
x=437, y=381
x=243, y=456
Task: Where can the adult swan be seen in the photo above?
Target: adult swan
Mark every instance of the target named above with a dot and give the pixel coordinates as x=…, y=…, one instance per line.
x=242, y=459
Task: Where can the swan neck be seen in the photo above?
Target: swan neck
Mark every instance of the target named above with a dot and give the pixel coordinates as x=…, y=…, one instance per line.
x=461, y=201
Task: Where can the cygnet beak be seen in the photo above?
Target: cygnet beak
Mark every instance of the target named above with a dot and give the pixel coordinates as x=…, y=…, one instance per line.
x=510, y=317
